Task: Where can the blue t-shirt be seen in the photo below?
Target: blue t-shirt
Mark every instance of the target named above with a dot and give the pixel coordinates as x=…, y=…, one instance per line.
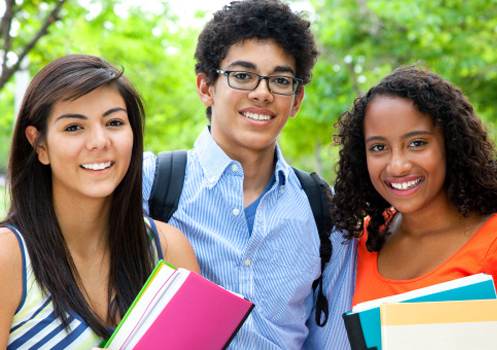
x=251, y=209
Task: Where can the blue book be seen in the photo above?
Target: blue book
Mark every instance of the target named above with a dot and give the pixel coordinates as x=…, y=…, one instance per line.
x=363, y=323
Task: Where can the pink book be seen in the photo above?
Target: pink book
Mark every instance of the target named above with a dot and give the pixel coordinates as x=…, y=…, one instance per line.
x=179, y=309
x=201, y=315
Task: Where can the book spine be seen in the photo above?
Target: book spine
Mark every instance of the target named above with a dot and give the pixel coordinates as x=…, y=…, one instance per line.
x=383, y=321
x=239, y=326
x=354, y=332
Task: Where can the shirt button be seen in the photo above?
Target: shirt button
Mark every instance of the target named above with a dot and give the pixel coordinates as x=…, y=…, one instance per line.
x=247, y=262
x=282, y=189
x=212, y=179
x=234, y=167
x=236, y=211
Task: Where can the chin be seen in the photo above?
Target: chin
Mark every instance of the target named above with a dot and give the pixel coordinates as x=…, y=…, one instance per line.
x=101, y=194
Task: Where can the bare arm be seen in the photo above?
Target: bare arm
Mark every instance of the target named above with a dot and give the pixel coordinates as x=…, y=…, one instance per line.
x=10, y=282
x=176, y=248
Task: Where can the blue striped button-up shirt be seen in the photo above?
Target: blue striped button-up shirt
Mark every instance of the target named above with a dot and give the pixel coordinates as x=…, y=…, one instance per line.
x=275, y=265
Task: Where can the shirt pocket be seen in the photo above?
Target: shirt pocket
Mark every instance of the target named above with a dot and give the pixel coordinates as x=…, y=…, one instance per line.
x=286, y=286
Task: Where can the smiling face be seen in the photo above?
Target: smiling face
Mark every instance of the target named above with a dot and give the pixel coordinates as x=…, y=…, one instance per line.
x=250, y=120
x=88, y=144
x=405, y=154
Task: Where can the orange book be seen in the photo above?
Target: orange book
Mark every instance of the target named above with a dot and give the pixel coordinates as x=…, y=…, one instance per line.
x=454, y=325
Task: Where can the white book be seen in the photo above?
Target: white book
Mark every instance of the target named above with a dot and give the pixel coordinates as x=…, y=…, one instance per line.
x=451, y=325
x=413, y=294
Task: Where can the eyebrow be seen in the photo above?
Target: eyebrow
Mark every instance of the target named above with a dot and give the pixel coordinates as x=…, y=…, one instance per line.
x=249, y=65
x=82, y=117
x=410, y=134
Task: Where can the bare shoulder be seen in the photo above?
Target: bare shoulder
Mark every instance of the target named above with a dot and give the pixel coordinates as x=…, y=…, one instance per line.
x=176, y=248
x=10, y=251
x=10, y=280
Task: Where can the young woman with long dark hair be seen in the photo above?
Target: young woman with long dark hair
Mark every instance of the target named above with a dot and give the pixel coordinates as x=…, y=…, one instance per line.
x=75, y=248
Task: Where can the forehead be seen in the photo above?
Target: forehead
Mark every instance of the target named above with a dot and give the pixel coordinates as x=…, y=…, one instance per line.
x=96, y=102
x=101, y=96
x=393, y=116
x=262, y=54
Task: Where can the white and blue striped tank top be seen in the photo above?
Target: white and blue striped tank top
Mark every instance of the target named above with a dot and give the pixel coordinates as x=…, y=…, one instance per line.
x=35, y=326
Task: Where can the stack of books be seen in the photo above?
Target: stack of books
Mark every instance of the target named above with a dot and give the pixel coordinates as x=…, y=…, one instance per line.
x=178, y=309
x=459, y=314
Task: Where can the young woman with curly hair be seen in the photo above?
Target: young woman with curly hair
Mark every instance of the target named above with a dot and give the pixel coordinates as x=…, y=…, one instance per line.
x=417, y=184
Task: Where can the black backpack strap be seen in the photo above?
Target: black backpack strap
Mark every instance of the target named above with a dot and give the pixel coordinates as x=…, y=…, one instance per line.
x=319, y=194
x=168, y=183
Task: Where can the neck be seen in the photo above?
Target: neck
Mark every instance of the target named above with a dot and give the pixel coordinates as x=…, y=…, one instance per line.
x=257, y=174
x=257, y=163
x=258, y=168
x=84, y=224
x=439, y=217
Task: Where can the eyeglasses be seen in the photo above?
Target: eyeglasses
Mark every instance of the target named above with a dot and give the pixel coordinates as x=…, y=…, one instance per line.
x=248, y=81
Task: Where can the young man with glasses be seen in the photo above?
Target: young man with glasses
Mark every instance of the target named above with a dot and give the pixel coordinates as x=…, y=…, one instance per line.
x=242, y=206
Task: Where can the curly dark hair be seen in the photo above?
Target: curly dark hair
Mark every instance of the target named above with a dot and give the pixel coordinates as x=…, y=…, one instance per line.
x=270, y=20
x=471, y=176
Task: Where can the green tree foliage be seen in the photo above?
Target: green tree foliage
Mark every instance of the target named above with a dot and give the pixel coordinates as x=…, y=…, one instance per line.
x=22, y=25
x=156, y=54
x=154, y=51
x=362, y=40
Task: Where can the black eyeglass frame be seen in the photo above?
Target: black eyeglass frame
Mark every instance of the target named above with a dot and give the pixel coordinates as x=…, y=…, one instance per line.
x=297, y=82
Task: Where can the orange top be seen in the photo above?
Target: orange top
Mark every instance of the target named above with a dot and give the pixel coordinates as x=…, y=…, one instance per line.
x=478, y=255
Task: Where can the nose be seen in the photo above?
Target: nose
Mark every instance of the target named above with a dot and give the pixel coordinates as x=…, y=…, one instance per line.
x=262, y=93
x=98, y=138
x=399, y=164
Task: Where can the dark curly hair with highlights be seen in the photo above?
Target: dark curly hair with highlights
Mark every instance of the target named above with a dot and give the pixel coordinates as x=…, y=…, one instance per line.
x=266, y=20
x=471, y=174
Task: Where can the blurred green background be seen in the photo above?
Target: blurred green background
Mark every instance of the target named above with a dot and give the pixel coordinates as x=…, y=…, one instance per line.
x=360, y=41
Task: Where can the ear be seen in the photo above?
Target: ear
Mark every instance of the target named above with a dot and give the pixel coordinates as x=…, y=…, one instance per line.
x=297, y=102
x=205, y=90
x=33, y=135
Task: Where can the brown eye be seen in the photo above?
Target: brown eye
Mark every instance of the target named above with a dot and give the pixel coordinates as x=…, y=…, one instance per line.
x=242, y=75
x=115, y=123
x=378, y=148
x=417, y=143
x=72, y=128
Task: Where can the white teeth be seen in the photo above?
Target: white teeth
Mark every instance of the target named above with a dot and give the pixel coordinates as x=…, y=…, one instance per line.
x=405, y=185
x=96, y=166
x=256, y=116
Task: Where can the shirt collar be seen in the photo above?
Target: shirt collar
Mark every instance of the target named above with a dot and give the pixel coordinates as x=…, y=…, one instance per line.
x=214, y=160
x=282, y=168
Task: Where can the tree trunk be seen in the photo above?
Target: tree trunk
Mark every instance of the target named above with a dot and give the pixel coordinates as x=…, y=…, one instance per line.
x=6, y=23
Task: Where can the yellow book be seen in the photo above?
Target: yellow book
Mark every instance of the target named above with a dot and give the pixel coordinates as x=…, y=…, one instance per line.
x=451, y=325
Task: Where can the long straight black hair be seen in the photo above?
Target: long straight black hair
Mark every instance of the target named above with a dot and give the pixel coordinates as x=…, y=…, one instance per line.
x=32, y=211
